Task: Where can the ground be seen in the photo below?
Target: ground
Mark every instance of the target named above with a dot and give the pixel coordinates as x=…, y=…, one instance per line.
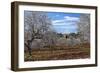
x=75, y=52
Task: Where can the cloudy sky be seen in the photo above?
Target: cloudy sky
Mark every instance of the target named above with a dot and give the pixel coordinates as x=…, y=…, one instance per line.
x=64, y=22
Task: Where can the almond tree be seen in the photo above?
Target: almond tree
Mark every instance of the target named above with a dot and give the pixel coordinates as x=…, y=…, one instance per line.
x=36, y=24
x=84, y=28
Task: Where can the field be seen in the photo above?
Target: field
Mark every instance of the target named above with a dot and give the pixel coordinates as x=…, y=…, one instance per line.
x=76, y=52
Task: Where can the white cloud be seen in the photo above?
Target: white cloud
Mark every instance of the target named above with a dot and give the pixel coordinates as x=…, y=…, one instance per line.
x=69, y=18
x=66, y=26
x=59, y=21
x=66, y=20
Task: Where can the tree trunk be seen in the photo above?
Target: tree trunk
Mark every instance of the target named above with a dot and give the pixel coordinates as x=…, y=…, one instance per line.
x=29, y=49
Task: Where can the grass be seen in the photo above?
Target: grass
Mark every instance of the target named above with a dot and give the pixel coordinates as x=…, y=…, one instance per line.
x=59, y=54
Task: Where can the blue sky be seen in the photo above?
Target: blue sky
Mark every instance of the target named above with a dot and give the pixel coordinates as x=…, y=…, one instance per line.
x=64, y=22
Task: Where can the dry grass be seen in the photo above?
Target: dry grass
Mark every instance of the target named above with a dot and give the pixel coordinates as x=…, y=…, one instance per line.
x=76, y=52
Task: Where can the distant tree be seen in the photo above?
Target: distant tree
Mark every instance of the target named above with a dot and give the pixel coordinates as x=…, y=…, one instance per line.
x=67, y=36
x=73, y=35
x=60, y=34
x=50, y=38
